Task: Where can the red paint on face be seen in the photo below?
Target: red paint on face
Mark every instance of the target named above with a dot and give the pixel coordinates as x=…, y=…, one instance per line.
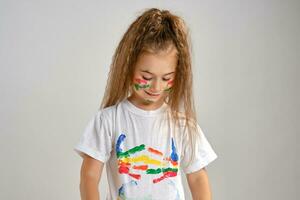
x=140, y=81
x=170, y=83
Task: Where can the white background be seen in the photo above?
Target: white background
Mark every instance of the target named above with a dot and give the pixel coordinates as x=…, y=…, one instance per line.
x=54, y=60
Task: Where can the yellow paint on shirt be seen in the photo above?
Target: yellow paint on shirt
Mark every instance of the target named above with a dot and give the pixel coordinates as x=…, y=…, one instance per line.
x=143, y=158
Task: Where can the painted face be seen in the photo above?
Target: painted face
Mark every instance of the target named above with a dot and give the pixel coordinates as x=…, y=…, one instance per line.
x=153, y=78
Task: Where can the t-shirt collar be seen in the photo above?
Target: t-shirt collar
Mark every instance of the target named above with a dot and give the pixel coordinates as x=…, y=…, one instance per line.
x=133, y=108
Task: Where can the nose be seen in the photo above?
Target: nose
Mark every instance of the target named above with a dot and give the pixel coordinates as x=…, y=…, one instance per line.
x=155, y=86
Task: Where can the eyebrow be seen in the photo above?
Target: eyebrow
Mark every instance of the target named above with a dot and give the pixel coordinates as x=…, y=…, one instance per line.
x=152, y=73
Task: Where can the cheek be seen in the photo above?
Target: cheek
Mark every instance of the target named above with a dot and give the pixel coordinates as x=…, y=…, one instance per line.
x=140, y=84
x=169, y=85
x=140, y=81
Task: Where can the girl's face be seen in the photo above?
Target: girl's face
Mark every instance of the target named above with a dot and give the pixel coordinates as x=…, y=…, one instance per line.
x=153, y=79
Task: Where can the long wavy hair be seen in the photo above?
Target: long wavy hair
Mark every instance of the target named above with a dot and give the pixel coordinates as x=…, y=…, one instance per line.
x=153, y=31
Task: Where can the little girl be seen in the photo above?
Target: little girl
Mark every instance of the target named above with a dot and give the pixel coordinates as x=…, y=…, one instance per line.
x=145, y=131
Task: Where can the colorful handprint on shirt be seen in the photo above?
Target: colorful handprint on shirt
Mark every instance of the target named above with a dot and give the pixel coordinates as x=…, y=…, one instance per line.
x=128, y=161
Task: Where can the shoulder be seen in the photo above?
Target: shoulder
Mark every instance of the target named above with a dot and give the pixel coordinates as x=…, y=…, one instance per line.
x=184, y=121
x=107, y=112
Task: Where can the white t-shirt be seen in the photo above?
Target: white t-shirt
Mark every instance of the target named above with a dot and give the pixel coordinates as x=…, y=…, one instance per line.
x=143, y=158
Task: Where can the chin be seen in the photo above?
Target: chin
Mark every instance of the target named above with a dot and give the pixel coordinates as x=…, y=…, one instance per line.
x=145, y=98
x=153, y=100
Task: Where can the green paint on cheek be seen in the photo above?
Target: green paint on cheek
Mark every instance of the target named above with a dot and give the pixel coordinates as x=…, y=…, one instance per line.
x=139, y=86
x=168, y=89
x=136, y=86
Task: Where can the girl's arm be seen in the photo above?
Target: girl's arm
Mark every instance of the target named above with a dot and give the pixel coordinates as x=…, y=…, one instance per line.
x=90, y=175
x=199, y=185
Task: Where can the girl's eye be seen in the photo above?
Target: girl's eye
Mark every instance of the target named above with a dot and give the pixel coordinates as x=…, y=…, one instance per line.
x=148, y=79
x=166, y=79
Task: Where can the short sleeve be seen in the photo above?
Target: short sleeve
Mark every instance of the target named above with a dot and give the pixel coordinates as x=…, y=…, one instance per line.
x=204, y=153
x=96, y=140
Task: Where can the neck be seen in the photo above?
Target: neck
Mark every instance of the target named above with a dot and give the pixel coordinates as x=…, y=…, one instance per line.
x=145, y=104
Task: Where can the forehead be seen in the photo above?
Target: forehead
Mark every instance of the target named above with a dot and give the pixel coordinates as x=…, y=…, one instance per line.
x=157, y=63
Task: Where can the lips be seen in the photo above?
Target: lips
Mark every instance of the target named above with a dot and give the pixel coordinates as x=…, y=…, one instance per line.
x=151, y=94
